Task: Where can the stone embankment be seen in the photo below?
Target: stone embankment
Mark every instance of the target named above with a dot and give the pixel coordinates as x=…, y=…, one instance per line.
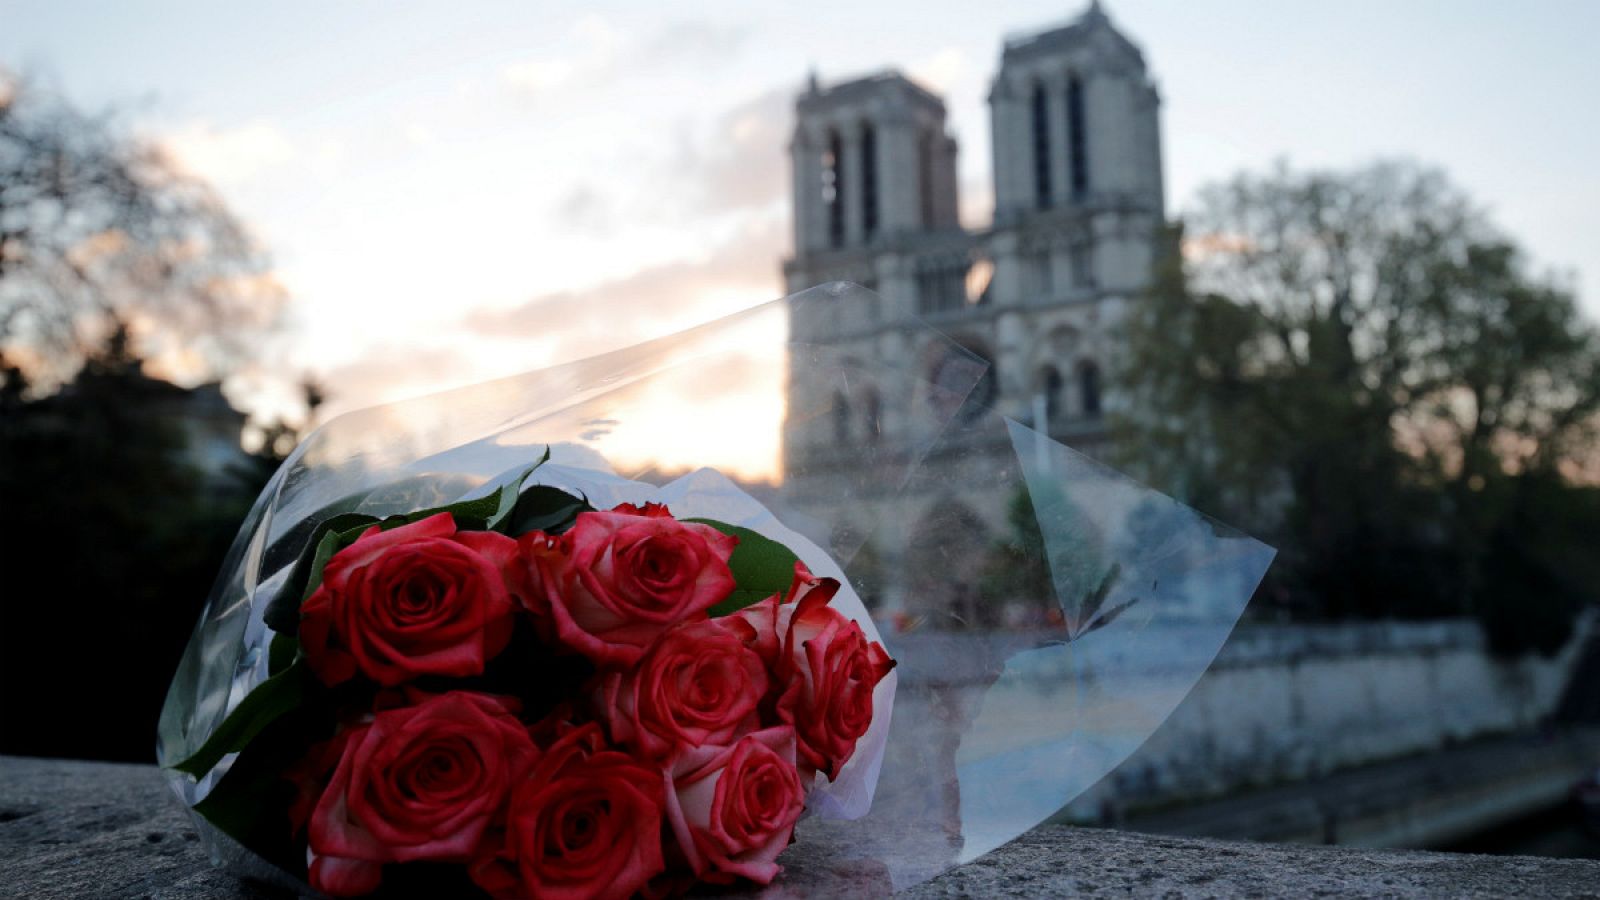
x=93, y=830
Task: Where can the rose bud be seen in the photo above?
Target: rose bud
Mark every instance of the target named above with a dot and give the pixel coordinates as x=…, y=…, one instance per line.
x=419, y=782
x=733, y=809
x=697, y=684
x=586, y=822
x=616, y=580
x=823, y=667
x=421, y=599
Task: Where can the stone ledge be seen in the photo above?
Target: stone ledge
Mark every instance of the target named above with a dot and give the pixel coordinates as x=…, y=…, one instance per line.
x=102, y=830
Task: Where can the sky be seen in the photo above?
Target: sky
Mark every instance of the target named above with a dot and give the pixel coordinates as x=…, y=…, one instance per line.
x=457, y=191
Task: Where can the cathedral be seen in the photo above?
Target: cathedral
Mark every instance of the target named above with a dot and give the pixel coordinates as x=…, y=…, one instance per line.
x=1036, y=294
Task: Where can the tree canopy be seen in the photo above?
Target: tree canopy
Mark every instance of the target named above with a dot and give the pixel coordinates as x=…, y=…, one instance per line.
x=114, y=524
x=1359, y=366
x=98, y=230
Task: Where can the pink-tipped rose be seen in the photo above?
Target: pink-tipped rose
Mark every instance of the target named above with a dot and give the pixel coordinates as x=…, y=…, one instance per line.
x=823, y=668
x=733, y=809
x=698, y=684
x=613, y=583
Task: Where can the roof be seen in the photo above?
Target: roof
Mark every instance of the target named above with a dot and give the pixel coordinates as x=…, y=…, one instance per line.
x=848, y=93
x=1056, y=38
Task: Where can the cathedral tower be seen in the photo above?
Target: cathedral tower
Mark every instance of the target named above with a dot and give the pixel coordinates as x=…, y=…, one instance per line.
x=1038, y=295
x=1074, y=123
x=871, y=162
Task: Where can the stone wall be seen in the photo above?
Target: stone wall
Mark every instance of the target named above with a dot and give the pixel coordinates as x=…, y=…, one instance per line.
x=74, y=830
x=1285, y=703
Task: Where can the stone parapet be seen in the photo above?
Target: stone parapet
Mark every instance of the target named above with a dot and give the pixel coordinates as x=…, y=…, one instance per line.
x=91, y=830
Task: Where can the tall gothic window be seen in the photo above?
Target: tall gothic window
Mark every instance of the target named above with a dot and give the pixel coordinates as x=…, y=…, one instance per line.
x=833, y=188
x=869, y=182
x=1050, y=385
x=1089, y=389
x=1041, y=147
x=871, y=416
x=925, y=176
x=941, y=283
x=1077, y=139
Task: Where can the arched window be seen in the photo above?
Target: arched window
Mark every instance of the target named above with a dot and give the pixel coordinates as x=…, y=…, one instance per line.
x=925, y=176
x=841, y=418
x=1089, y=389
x=833, y=188
x=1041, y=146
x=1077, y=139
x=1050, y=390
x=869, y=182
x=871, y=423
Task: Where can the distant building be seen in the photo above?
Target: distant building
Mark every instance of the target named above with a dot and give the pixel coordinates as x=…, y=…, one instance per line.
x=1079, y=201
x=211, y=427
x=207, y=424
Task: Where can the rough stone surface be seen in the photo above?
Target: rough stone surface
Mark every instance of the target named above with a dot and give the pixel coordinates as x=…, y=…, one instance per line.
x=99, y=830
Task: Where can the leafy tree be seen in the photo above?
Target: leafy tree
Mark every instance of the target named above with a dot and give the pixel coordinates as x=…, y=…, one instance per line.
x=99, y=231
x=1360, y=367
x=109, y=543
x=110, y=536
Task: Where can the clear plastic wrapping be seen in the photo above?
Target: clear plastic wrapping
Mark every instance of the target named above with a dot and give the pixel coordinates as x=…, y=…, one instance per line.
x=1045, y=612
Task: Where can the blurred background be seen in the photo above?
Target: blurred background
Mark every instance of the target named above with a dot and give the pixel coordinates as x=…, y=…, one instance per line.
x=1323, y=272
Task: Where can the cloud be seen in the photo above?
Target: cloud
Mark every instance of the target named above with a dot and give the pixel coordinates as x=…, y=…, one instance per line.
x=650, y=302
x=539, y=76
x=584, y=209
x=944, y=71
x=246, y=153
x=593, y=58
x=229, y=154
x=387, y=372
x=741, y=163
x=698, y=41
x=601, y=54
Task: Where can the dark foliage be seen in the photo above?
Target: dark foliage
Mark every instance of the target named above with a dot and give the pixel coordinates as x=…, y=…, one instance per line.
x=109, y=542
x=1359, y=368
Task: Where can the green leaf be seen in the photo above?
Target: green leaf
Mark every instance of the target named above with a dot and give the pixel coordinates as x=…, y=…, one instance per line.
x=486, y=513
x=283, y=613
x=331, y=543
x=279, y=694
x=281, y=653
x=469, y=515
x=761, y=567
x=479, y=514
x=235, y=803
x=251, y=801
x=544, y=508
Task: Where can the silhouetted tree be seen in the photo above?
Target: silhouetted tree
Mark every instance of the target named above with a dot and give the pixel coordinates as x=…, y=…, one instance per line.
x=110, y=535
x=97, y=229
x=1359, y=366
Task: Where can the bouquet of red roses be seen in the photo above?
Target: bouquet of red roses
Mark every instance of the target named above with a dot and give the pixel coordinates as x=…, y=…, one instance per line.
x=545, y=699
x=426, y=668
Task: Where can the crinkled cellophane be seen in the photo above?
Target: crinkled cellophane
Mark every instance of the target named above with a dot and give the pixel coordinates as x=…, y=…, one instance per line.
x=1003, y=708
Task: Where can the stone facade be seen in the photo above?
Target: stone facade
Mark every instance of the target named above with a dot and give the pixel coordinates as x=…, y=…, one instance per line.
x=1036, y=295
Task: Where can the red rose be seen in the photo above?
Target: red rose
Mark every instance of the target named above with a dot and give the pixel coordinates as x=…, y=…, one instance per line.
x=823, y=666
x=733, y=809
x=419, y=782
x=421, y=599
x=697, y=684
x=617, y=580
x=585, y=823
